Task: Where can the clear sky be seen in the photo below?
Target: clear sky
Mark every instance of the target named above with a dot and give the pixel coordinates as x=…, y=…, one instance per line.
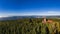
x=29, y=7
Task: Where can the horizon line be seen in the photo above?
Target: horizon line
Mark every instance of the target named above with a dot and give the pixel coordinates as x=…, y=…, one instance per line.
x=27, y=15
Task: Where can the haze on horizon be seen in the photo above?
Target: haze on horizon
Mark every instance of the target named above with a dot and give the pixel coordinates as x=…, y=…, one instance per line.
x=29, y=7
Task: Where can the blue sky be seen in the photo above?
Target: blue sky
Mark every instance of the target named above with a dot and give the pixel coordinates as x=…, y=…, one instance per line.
x=29, y=7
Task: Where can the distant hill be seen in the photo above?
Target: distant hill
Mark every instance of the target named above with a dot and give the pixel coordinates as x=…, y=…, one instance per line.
x=21, y=17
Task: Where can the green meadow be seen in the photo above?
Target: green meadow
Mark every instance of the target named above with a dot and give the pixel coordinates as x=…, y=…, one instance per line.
x=29, y=26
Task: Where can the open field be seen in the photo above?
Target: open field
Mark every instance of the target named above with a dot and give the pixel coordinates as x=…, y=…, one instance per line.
x=29, y=26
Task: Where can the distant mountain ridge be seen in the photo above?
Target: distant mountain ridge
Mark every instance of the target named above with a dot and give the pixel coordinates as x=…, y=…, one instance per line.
x=21, y=17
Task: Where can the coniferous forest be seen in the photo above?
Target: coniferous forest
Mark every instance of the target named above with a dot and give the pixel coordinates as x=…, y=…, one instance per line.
x=29, y=26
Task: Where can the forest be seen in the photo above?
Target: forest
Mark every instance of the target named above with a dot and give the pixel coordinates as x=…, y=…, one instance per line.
x=29, y=26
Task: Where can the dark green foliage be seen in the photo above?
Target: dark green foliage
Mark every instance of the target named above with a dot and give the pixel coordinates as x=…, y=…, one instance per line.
x=47, y=30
